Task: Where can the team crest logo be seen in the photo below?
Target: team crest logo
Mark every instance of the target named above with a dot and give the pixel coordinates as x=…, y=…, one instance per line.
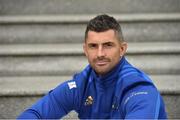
x=89, y=101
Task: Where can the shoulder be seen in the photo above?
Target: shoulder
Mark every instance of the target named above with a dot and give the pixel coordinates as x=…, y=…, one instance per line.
x=136, y=85
x=140, y=96
x=142, y=99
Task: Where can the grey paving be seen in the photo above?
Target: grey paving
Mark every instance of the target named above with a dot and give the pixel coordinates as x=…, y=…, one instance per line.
x=41, y=46
x=84, y=18
x=16, y=7
x=66, y=65
x=39, y=85
x=77, y=49
x=54, y=33
x=17, y=93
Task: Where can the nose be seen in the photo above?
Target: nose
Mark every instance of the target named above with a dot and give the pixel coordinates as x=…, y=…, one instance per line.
x=101, y=52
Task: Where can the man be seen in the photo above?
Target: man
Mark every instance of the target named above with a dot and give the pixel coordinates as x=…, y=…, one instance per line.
x=108, y=88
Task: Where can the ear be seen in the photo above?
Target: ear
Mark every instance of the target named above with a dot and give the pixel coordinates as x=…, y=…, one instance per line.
x=123, y=48
x=84, y=49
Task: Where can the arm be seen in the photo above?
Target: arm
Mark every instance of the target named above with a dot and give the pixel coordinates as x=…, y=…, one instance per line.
x=55, y=104
x=143, y=102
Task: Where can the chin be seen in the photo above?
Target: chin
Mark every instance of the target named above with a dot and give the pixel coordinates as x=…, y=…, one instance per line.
x=101, y=72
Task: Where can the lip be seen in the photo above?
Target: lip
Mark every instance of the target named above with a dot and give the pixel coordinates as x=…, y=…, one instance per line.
x=101, y=63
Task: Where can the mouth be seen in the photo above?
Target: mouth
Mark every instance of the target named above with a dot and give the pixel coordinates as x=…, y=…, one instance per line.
x=101, y=63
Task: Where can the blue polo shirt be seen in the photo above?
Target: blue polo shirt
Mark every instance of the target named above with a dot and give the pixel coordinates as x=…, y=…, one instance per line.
x=123, y=93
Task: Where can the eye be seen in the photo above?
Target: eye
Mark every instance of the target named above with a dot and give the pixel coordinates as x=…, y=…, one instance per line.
x=92, y=46
x=108, y=45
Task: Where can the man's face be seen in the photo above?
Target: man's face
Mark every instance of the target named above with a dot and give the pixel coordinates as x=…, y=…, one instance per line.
x=103, y=50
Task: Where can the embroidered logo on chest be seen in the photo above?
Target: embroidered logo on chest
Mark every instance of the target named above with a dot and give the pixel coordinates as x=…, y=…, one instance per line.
x=89, y=101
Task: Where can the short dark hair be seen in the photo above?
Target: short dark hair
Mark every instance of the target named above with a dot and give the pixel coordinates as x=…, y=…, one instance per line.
x=103, y=23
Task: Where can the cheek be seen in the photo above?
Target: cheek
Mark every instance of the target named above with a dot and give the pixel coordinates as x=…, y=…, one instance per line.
x=115, y=58
x=113, y=54
x=91, y=56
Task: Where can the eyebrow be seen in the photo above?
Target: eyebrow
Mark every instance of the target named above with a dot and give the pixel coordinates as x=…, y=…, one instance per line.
x=108, y=43
x=102, y=43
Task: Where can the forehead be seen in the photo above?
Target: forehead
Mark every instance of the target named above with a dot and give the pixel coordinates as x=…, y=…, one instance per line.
x=100, y=37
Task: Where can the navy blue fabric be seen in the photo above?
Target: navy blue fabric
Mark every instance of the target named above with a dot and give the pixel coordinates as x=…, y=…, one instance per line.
x=123, y=93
